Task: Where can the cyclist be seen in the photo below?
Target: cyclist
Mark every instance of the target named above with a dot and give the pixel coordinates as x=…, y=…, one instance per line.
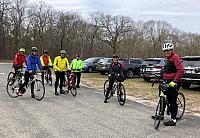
x=46, y=63
x=32, y=60
x=19, y=59
x=60, y=65
x=76, y=67
x=172, y=73
x=116, y=73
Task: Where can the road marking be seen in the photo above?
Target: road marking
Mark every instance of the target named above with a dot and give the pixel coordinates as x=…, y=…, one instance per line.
x=1, y=73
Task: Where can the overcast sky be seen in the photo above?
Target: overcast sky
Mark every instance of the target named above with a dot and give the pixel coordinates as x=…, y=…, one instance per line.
x=183, y=14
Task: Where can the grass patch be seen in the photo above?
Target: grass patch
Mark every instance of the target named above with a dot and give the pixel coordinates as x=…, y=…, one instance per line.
x=138, y=88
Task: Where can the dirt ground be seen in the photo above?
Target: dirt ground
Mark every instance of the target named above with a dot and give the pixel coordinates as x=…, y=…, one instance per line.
x=138, y=88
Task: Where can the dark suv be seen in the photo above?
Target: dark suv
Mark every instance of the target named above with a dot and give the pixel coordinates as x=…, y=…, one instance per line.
x=131, y=66
x=151, y=67
x=191, y=71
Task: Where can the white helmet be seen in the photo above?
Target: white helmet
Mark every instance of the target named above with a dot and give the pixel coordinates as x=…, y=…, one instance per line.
x=168, y=46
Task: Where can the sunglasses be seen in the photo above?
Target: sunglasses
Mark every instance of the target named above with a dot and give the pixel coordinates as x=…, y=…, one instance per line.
x=166, y=50
x=34, y=50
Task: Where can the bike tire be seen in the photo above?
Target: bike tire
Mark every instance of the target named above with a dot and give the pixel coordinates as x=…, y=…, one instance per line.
x=10, y=76
x=39, y=90
x=12, y=88
x=73, y=90
x=105, y=86
x=181, y=105
x=121, y=94
x=159, y=110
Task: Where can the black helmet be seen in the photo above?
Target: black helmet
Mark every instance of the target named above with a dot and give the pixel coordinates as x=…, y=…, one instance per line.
x=46, y=51
x=33, y=48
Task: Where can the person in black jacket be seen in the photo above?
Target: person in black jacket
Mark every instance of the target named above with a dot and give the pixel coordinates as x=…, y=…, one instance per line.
x=116, y=73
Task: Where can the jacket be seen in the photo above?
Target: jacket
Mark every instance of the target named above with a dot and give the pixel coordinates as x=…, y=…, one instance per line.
x=76, y=65
x=19, y=59
x=173, y=68
x=60, y=64
x=45, y=60
x=32, y=61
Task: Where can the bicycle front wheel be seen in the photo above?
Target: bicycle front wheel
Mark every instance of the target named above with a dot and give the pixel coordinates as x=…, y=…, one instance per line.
x=105, y=87
x=159, y=111
x=73, y=90
x=39, y=90
x=181, y=105
x=12, y=88
x=121, y=94
x=10, y=76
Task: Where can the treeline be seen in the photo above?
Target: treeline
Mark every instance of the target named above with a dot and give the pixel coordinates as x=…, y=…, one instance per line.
x=25, y=24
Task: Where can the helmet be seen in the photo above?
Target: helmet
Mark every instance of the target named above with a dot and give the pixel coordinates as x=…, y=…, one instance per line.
x=21, y=50
x=33, y=48
x=115, y=56
x=63, y=52
x=46, y=51
x=168, y=46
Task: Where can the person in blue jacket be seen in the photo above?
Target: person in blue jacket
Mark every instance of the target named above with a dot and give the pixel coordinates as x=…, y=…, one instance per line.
x=32, y=60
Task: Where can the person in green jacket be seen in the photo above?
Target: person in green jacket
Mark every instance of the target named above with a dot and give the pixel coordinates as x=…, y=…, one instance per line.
x=76, y=67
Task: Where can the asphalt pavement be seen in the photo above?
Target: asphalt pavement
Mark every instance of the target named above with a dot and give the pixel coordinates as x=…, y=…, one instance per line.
x=83, y=116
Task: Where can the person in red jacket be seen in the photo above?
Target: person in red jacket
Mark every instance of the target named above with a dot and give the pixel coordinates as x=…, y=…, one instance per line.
x=172, y=72
x=19, y=60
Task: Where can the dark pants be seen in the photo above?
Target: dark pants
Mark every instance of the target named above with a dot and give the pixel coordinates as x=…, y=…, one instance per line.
x=26, y=80
x=172, y=99
x=78, y=76
x=47, y=69
x=59, y=76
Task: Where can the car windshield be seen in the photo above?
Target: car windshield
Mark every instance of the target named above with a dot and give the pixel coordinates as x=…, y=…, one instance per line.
x=102, y=61
x=90, y=60
x=151, y=61
x=193, y=62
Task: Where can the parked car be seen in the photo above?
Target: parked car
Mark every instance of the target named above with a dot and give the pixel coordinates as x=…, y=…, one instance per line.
x=191, y=71
x=103, y=65
x=151, y=67
x=89, y=65
x=131, y=67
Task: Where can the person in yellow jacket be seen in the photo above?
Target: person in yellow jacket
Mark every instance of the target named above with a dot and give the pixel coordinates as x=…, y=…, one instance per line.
x=76, y=67
x=60, y=66
x=45, y=60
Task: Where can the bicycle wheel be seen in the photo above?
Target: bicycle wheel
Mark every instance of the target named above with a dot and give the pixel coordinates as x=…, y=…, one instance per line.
x=106, y=85
x=121, y=94
x=12, y=88
x=159, y=111
x=39, y=90
x=73, y=90
x=10, y=76
x=181, y=105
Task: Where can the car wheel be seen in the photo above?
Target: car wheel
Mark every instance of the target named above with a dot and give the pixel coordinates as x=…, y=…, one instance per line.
x=146, y=79
x=130, y=74
x=186, y=85
x=90, y=69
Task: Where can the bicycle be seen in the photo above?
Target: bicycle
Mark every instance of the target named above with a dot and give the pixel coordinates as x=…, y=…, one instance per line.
x=118, y=87
x=39, y=89
x=48, y=77
x=163, y=88
x=71, y=83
